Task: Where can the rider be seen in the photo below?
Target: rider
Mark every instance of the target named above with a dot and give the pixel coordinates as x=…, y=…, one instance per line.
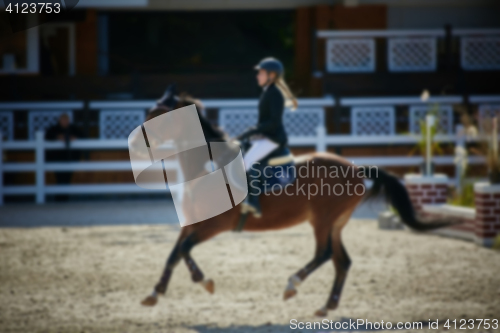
x=269, y=134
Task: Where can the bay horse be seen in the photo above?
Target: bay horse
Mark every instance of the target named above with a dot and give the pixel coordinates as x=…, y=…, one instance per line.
x=327, y=214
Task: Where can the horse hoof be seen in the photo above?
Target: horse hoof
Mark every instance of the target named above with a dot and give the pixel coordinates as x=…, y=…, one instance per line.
x=289, y=293
x=333, y=306
x=321, y=312
x=209, y=285
x=150, y=301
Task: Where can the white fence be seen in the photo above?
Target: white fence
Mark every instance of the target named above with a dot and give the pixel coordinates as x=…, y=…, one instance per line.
x=488, y=106
x=319, y=140
x=117, y=118
x=479, y=48
x=408, y=50
x=376, y=115
x=40, y=166
x=40, y=115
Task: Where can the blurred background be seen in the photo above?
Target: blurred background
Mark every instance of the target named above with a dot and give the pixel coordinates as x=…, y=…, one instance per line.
x=367, y=73
x=131, y=49
x=359, y=66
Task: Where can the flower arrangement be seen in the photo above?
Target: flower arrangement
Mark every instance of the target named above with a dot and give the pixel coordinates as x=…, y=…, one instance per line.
x=492, y=156
x=487, y=145
x=427, y=139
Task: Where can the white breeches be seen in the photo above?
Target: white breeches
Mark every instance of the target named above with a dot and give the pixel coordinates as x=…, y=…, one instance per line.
x=260, y=148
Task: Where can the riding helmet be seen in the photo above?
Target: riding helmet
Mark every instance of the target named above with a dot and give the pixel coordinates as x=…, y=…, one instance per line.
x=271, y=65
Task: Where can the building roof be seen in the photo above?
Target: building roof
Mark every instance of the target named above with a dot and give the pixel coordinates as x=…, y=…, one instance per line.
x=263, y=4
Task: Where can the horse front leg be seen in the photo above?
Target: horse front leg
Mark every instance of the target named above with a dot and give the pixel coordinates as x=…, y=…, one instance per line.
x=196, y=274
x=201, y=232
x=190, y=236
x=161, y=287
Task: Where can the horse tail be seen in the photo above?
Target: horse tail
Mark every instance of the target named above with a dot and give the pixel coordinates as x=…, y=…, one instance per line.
x=397, y=195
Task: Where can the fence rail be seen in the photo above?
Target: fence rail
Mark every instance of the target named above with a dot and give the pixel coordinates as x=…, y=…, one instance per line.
x=379, y=33
x=318, y=139
x=208, y=103
x=115, y=118
x=320, y=142
x=401, y=100
x=40, y=166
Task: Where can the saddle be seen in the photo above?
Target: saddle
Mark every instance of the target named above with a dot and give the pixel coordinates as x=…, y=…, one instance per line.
x=277, y=170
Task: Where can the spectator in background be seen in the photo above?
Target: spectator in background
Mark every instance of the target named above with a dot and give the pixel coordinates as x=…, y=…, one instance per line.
x=66, y=132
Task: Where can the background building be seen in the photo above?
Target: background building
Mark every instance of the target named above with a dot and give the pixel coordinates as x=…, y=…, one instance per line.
x=365, y=61
x=132, y=49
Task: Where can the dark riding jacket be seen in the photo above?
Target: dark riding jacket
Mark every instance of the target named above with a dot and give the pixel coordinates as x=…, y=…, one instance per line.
x=270, y=123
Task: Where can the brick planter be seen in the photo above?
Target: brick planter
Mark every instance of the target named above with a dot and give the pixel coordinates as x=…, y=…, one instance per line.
x=429, y=196
x=426, y=190
x=487, y=226
x=481, y=225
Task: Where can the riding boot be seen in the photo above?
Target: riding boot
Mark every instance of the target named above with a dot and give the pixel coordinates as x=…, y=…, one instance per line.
x=252, y=203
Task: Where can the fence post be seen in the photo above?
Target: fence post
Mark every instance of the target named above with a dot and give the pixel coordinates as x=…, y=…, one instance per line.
x=459, y=150
x=321, y=139
x=40, y=167
x=429, y=122
x=1, y=169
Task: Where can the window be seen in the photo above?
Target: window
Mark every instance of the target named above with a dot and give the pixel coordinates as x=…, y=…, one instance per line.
x=18, y=51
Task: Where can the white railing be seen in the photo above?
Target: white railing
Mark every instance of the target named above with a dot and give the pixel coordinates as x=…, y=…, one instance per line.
x=320, y=142
x=408, y=50
x=480, y=99
x=40, y=166
x=402, y=100
x=208, y=103
x=376, y=115
x=379, y=33
x=479, y=48
x=116, y=118
x=40, y=115
x=300, y=122
x=488, y=106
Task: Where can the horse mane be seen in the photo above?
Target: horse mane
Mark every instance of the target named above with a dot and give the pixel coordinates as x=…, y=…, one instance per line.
x=211, y=132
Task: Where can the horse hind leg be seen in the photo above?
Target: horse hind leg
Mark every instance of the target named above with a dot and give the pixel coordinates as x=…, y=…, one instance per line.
x=322, y=254
x=296, y=279
x=341, y=261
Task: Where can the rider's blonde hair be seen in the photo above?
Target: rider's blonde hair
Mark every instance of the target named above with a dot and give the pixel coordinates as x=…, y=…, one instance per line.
x=290, y=100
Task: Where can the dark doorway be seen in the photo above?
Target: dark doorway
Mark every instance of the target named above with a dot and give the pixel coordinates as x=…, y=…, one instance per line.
x=199, y=42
